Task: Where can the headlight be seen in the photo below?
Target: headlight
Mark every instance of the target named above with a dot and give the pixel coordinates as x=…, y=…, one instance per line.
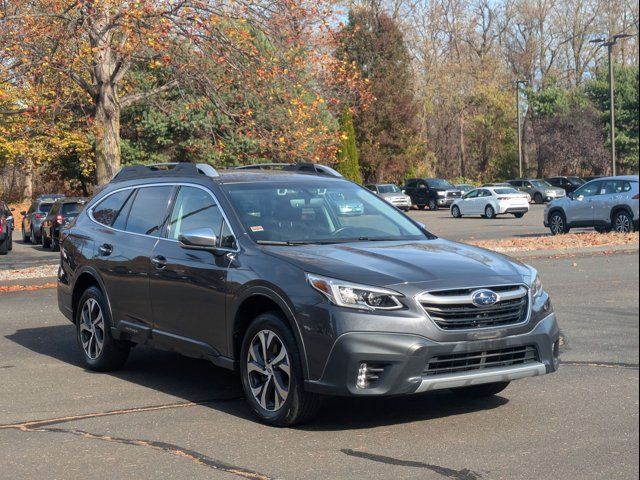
x=353, y=295
x=536, y=283
x=442, y=194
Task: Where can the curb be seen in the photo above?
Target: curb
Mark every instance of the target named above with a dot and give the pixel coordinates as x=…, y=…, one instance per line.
x=578, y=252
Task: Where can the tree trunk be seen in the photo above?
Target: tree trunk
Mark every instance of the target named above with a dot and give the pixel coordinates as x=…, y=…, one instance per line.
x=27, y=190
x=107, y=125
x=462, y=151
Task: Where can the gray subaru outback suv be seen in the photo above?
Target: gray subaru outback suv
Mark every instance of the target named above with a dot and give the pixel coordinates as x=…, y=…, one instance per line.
x=261, y=272
x=605, y=204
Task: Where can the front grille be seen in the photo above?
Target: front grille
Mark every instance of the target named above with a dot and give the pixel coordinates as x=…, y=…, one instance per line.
x=453, y=194
x=454, y=309
x=469, y=361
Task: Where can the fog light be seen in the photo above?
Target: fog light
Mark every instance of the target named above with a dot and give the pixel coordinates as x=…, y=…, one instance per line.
x=362, y=381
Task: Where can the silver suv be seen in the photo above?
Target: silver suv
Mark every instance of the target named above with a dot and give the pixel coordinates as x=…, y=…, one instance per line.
x=605, y=204
x=539, y=190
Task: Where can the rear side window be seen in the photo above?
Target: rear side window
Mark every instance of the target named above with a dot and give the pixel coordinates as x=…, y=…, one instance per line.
x=72, y=208
x=194, y=208
x=107, y=210
x=149, y=210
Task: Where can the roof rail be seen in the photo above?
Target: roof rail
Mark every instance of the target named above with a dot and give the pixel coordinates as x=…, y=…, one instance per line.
x=163, y=169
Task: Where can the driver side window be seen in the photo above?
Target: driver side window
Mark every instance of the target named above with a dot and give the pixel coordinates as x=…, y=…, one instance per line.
x=472, y=194
x=589, y=190
x=194, y=208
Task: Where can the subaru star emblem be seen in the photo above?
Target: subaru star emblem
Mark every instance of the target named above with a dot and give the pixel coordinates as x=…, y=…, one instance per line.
x=484, y=298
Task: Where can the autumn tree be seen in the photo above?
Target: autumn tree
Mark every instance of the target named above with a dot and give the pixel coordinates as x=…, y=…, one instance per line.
x=97, y=44
x=387, y=133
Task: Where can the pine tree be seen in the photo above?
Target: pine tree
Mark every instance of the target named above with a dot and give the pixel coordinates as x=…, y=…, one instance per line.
x=348, y=163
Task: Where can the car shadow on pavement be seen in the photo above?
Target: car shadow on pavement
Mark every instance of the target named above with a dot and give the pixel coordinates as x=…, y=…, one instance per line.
x=199, y=381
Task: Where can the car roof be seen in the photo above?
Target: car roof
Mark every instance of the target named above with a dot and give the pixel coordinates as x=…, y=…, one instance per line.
x=633, y=178
x=72, y=200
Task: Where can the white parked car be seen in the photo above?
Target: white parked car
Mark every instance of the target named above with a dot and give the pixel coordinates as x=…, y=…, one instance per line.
x=491, y=201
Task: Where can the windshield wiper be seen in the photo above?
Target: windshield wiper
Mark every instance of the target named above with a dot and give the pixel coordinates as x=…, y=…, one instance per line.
x=278, y=242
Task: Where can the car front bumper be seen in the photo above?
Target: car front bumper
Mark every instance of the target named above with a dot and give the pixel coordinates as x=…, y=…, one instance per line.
x=446, y=201
x=402, y=361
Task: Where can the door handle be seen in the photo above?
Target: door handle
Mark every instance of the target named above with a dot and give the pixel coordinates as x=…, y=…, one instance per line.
x=105, y=250
x=159, y=261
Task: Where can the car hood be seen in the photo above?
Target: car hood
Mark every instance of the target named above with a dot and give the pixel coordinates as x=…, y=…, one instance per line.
x=392, y=263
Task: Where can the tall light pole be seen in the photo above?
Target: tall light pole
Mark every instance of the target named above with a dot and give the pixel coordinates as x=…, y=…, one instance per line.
x=518, y=82
x=609, y=43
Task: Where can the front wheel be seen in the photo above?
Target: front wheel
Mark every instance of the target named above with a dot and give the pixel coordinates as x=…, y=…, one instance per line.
x=479, y=391
x=558, y=224
x=101, y=352
x=271, y=373
x=622, y=222
x=489, y=212
x=455, y=212
x=537, y=198
x=433, y=204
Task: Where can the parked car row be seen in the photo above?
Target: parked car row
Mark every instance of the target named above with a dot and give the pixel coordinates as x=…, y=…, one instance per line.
x=46, y=216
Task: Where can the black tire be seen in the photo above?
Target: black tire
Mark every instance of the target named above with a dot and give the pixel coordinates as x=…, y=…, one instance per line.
x=519, y=214
x=25, y=237
x=113, y=353
x=299, y=405
x=433, y=204
x=32, y=237
x=558, y=223
x=46, y=243
x=10, y=246
x=489, y=212
x=455, y=212
x=603, y=229
x=55, y=243
x=4, y=246
x=479, y=391
x=537, y=198
x=622, y=222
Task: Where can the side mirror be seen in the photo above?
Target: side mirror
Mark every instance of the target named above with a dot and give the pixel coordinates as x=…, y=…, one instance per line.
x=199, y=239
x=580, y=197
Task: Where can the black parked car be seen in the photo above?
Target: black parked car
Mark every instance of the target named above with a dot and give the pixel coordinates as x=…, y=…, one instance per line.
x=32, y=219
x=569, y=184
x=61, y=214
x=431, y=192
x=6, y=228
x=263, y=272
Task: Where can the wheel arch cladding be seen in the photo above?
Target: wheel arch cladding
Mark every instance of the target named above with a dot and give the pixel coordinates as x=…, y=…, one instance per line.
x=255, y=304
x=618, y=208
x=84, y=281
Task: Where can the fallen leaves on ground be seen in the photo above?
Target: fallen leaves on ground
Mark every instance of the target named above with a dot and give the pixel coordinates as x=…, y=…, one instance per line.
x=559, y=242
x=26, y=288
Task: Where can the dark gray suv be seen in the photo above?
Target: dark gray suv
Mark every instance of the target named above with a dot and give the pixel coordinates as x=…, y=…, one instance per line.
x=264, y=273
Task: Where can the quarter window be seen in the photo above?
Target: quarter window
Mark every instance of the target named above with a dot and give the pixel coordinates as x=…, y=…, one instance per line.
x=194, y=208
x=107, y=210
x=148, y=211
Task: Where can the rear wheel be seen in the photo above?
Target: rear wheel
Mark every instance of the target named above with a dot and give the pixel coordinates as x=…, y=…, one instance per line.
x=489, y=212
x=519, y=214
x=420, y=206
x=271, y=373
x=479, y=391
x=32, y=237
x=558, y=224
x=455, y=212
x=4, y=246
x=433, y=204
x=101, y=352
x=622, y=222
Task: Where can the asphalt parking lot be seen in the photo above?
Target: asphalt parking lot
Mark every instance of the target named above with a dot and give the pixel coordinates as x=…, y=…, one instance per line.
x=168, y=416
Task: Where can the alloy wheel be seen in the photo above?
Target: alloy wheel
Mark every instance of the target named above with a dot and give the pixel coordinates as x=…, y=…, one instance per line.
x=557, y=224
x=455, y=212
x=92, y=329
x=268, y=370
x=623, y=223
x=489, y=212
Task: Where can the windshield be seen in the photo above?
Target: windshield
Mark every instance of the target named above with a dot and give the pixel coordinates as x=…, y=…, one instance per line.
x=439, y=183
x=505, y=191
x=576, y=181
x=541, y=184
x=388, y=189
x=317, y=212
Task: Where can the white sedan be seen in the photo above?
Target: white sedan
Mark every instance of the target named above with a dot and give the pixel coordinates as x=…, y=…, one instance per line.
x=491, y=201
